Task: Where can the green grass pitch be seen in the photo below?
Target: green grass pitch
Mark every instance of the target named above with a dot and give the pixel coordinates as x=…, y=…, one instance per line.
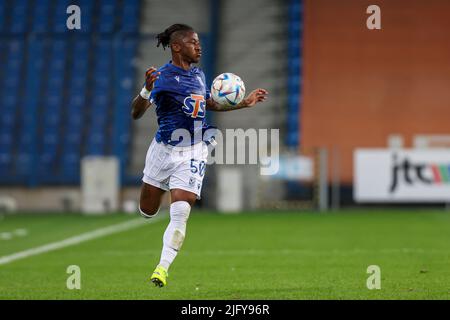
x=265, y=255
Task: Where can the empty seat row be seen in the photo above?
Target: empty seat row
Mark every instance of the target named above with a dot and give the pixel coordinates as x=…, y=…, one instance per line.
x=45, y=16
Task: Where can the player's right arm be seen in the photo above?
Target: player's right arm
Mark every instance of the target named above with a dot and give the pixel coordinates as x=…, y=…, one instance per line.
x=141, y=103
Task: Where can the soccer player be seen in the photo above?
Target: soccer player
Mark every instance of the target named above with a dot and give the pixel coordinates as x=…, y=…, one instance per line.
x=174, y=163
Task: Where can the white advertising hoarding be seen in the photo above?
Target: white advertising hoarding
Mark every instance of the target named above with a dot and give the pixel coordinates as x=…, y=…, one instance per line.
x=100, y=184
x=404, y=175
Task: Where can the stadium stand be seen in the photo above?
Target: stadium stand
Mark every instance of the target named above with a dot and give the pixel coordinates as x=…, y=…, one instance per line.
x=294, y=73
x=64, y=90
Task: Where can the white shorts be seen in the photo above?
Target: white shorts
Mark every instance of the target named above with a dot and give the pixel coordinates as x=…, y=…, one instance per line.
x=168, y=167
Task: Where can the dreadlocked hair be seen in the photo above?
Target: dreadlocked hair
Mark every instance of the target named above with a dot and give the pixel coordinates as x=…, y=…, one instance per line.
x=164, y=37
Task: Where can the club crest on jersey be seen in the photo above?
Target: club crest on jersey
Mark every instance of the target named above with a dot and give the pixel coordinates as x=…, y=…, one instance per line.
x=194, y=105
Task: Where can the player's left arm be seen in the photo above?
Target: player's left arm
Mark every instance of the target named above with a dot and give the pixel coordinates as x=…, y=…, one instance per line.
x=256, y=96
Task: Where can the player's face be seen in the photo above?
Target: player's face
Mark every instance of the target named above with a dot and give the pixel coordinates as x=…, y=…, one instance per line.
x=191, y=49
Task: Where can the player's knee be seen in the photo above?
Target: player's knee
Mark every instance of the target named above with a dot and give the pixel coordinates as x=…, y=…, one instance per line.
x=179, y=195
x=148, y=211
x=179, y=211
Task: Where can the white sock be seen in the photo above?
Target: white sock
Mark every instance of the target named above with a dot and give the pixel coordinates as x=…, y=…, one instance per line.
x=175, y=232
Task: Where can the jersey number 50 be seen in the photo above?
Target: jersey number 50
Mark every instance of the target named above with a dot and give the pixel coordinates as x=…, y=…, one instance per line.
x=194, y=106
x=200, y=168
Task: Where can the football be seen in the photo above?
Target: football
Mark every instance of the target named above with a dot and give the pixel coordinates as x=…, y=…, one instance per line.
x=228, y=89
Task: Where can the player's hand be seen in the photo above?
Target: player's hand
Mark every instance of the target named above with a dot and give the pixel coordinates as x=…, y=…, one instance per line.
x=150, y=77
x=258, y=95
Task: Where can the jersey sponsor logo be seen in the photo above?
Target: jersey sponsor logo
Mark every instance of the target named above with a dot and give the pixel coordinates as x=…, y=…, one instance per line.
x=195, y=105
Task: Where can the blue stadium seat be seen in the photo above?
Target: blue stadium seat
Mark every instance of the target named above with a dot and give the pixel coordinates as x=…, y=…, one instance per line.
x=12, y=83
x=294, y=28
x=5, y=162
x=294, y=48
x=15, y=59
x=100, y=101
x=71, y=156
x=294, y=83
x=49, y=150
x=292, y=139
x=29, y=120
x=55, y=83
x=81, y=46
x=80, y=67
x=294, y=64
x=102, y=68
x=107, y=16
x=53, y=101
x=87, y=8
x=73, y=137
x=95, y=144
x=53, y=108
x=99, y=121
x=7, y=121
x=24, y=163
x=292, y=119
x=96, y=133
x=76, y=101
x=26, y=142
x=50, y=131
x=71, y=163
x=2, y=16
x=60, y=16
x=6, y=141
x=47, y=163
x=18, y=24
x=15, y=46
x=130, y=16
x=40, y=16
x=7, y=118
x=75, y=115
x=9, y=99
x=76, y=104
x=52, y=120
x=103, y=49
x=58, y=63
x=293, y=101
x=102, y=82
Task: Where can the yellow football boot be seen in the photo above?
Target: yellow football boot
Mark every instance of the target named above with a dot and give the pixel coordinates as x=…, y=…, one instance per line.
x=159, y=276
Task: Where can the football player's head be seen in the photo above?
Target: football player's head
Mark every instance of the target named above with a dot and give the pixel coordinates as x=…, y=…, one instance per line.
x=183, y=41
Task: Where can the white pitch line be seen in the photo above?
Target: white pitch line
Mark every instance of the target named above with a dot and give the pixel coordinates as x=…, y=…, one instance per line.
x=98, y=233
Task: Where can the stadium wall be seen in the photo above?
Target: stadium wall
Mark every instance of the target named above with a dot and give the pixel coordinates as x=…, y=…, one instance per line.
x=361, y=85
x=61, y=199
